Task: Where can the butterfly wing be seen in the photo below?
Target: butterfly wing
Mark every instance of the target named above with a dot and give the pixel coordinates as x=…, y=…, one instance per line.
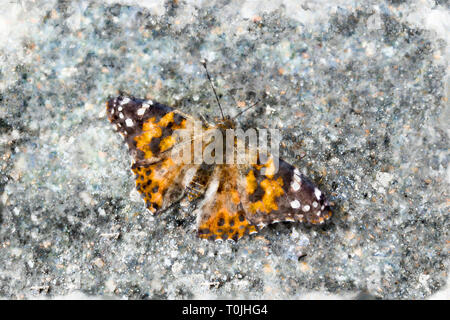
x=271, y=196
x=150, y=130
x=148, y=127
x=220, y=214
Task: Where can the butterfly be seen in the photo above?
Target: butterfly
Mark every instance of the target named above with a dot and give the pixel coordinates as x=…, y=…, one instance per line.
x=232, y=199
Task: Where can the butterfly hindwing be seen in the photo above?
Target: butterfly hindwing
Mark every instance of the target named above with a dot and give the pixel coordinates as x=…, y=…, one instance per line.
x=221, y=214
x=161, y=183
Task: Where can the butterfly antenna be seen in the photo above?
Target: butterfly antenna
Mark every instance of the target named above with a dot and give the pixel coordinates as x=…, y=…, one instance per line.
x=212, y=86
x=248, y=108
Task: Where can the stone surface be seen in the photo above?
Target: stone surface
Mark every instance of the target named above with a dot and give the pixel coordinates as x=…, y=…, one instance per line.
x=359, y=92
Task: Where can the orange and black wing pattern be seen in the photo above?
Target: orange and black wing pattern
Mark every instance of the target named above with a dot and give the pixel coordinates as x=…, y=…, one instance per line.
x=271, y=196
x=220, y=214
x=149, y=130
x=234, y=200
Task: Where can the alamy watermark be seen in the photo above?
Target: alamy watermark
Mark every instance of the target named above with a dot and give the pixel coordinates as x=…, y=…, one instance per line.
x=198, y=145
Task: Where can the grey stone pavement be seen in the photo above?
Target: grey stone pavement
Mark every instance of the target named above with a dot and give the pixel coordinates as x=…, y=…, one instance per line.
x=359, y=91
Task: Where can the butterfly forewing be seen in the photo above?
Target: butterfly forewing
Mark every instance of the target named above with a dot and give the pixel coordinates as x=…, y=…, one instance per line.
x=149, y=129
x=283, y=195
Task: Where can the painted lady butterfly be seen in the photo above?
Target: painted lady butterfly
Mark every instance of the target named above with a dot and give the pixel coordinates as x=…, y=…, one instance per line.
x=234, y=199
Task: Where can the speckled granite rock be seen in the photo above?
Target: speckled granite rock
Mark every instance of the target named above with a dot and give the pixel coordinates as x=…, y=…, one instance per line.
x=359, y=92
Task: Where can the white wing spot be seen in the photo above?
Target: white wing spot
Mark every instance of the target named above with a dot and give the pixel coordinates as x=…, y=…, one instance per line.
x=125, y=101
x=317, y=193
x=140, y=111
x=121, y=115
x=295, y=204
x=119, y=109
x=129, y=122
x=295, y=186
x=306, y=208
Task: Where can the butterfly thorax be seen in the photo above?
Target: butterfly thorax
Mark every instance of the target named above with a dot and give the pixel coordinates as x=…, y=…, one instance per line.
x=225, y=123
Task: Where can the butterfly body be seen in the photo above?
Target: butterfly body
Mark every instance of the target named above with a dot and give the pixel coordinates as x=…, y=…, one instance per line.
x=234, y=199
